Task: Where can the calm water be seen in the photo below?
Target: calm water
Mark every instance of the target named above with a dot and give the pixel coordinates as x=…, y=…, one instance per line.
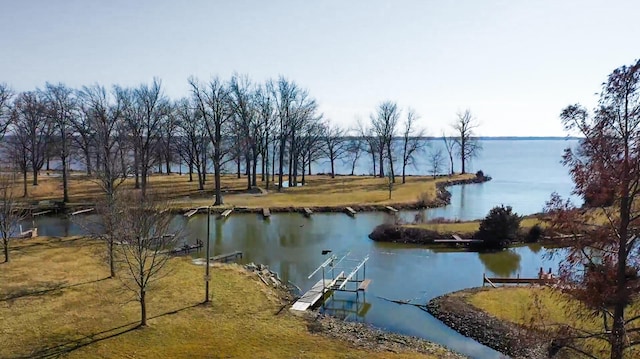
x=524, y=175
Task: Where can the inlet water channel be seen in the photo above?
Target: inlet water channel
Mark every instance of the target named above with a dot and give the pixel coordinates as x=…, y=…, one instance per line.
x=292, y=245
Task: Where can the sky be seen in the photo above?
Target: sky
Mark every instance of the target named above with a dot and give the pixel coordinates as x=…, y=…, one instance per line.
x=514, y=64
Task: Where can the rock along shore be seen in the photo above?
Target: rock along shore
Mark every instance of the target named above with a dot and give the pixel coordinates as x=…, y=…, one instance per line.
x=505, y=337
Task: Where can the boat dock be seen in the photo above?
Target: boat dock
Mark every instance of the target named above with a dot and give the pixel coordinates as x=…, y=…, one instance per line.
x=332, y=282
x=227, y=257
x=226, y=213
x=266, y=213
x=457, y=241
x=391, y=209
x=350, y=211
x=87, y=210
x=186, y=248
x=543, y=278
x=307, y=212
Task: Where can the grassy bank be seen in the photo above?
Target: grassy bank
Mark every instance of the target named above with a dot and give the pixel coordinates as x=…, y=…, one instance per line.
x=319, y=192
x=55, y=300
x=471, y=227
x=547, y=310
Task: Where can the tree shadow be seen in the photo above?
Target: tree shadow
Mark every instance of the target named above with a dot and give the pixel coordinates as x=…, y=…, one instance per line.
x=52, y=287
x=75, y=344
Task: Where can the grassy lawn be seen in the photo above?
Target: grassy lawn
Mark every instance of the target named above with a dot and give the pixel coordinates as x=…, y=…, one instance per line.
x=319, y=191
x=55, y=300
x=546, y=309
x=472, y=226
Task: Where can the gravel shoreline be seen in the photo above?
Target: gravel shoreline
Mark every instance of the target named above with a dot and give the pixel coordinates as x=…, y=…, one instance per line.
x=507, y=338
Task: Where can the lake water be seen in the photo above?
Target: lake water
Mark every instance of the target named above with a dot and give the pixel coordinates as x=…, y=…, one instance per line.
x=524, y=175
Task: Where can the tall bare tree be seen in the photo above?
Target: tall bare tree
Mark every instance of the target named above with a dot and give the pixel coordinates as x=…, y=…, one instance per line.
x=146, y=234
x=354, y=149
x=61, y=108
x=450, y=146
x=212, y=102
x=467, y=145
x=384, y=123
x=372, y=144
x=31, y=121
x=412, y=141
x=436, y=161
x=192, y=139
x=335, y=144
x=6, y=95
x=105, y=113
x=10, y=214
x=244, y=110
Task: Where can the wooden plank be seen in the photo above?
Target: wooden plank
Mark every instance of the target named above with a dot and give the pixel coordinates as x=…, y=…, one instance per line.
x=227, y=256
x=308, y=212
x=266, y=213
x=82, y=211
x=226, y=213
x=391, y=209
x=364, y=284
x=41, y=213
x=350, y=211
x=191, y=212
x=454, y=241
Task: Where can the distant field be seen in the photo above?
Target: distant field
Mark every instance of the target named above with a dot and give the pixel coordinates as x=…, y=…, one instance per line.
x=55, y=300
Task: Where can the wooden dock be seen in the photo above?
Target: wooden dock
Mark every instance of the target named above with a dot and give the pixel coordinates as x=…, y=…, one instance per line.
x=492, y=281
x=226, y=213
x=307, y=212
x=350, y=211
x=186, y=248
x=457, y=240
x=41, y=213
x=87, y=210
x=227, y=257
x=391, y=209
x=266, y=213
x=313, y=295
x=191, y=213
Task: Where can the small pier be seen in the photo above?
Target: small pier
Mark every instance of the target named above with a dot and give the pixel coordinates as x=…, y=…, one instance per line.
x=266, y=213
x=307, y=212
x=186, y=248
x=42, y=213
x=226, y=213
x=29, y=233
x=227, y=257
x=191, y=213
x=457, y=241
x=543, y=279
x=391, y=209
x=82, y=211
x=350, y=211
x=347, y=279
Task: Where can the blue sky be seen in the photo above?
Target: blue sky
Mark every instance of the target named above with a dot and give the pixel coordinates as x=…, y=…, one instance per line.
x=515, y=64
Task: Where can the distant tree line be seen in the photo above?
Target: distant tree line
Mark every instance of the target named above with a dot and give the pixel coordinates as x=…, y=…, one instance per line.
x=263, y=130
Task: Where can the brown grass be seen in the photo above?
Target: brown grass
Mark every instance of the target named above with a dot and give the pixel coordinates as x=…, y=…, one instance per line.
x=55, y=300
x=319, y=191
x=545, y=309
x=472, y=226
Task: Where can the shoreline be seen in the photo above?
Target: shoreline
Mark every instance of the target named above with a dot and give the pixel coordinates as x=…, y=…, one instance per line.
x=505, y=337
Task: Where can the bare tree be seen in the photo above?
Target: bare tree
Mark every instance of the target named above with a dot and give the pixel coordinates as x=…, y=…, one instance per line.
x=31, y=121
x=245, y=114
x=335, y=144
x=412, y=141
x=192, y=139
x=212, y=102
x=372, y=143
x=146, y=235
x=449, y=145
x=61, y=108
x=384, y=123
x=10, y=214
x=6, y=94
x=106, y=114
x=436, y=162
x=468, y=146
x=354, y=148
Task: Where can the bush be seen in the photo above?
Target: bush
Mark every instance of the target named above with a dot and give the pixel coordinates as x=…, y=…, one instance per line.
x=499, y=227
x=480, y=174
x=534, y=234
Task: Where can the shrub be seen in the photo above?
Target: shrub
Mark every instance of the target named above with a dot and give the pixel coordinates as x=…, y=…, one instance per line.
x=499, y=227
x=480, y=174
x=534, y=233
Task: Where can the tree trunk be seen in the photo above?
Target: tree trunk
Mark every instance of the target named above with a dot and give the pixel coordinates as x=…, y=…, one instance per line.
x=6, y=248
x=143, y=309
x=404, y=165
x=24, y=183
x=136, y=167
x=393, y=174
x=191, y=171
x=281, y=165
x=112, y=261
x=35, y=176
x=381, y=159
x=87, y=157
x=248, y=170
x=65, y=180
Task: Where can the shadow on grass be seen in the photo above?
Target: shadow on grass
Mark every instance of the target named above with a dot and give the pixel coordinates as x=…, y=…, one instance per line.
x=52, y=287
x=69, y=346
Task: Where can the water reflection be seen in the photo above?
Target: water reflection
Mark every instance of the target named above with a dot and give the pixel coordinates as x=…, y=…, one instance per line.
x=502, y=263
